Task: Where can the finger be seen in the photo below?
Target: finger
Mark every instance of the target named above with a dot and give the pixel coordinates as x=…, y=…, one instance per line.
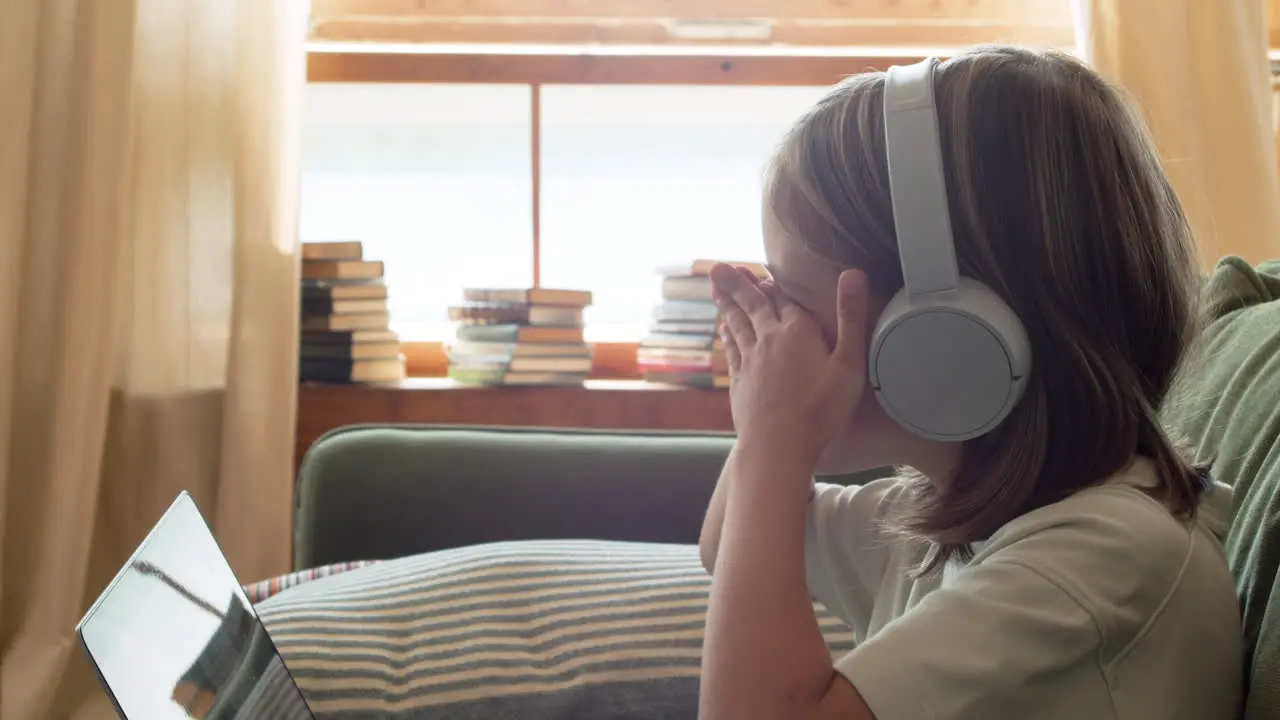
x=851, y=319
x=719, y=291
x=723, y=279
x=723, y=299
x=738, y=326
x=746, y=273
x=731, y=352
x=746, y=293
x=787, y=308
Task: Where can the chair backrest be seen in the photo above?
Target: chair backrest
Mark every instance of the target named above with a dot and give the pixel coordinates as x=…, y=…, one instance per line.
x=371, y=492
x=1228, y=409
x=384, y=491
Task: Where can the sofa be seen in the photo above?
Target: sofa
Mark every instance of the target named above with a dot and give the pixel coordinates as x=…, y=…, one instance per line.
x=503, y=572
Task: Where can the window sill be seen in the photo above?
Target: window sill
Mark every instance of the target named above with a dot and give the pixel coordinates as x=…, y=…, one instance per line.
x=446, y=385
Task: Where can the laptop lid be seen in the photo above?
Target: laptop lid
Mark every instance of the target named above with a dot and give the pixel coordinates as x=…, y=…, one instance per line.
x=174, y=636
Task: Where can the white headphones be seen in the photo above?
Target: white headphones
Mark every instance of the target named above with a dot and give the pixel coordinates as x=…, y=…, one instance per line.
x=949, y=358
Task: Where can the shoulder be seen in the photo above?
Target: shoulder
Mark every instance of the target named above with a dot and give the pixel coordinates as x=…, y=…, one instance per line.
x=1060, y=603
x=1115, y=551
x=875, y=499
x=855, y=516
x=1103, y=531
x=848, y=555
x=846, y=528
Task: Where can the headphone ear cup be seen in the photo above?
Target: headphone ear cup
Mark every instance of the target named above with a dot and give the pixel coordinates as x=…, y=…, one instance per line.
x=951, y=366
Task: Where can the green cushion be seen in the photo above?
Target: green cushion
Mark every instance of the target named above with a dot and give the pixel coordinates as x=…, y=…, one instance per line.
x=1228, y=409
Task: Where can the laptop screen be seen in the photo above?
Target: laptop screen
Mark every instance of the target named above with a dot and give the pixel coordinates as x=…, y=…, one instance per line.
x=173, y=636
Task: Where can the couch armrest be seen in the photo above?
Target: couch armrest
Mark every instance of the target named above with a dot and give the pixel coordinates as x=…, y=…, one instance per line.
x=381, y=491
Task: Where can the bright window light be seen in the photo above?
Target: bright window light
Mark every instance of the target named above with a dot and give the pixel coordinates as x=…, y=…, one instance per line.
x=634, y=177
x=435, y=179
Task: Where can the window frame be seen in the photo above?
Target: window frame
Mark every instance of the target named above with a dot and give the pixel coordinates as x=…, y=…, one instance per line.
x=536, y=66
x=831, y=23
x=537, y=42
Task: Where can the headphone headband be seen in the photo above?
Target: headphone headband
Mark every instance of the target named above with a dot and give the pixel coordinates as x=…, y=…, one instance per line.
x=949, y=358
x=917, y=184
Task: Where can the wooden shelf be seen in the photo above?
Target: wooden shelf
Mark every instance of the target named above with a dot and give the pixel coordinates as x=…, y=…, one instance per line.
x=604, y=404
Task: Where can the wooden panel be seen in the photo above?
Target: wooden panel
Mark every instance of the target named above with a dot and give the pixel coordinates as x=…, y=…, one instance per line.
x=950, y=23
x=899, y=10
x=654, y=32
x=618, y=405
x=622, y=68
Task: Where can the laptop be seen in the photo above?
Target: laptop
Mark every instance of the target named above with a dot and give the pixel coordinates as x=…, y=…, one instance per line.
x=174, y=636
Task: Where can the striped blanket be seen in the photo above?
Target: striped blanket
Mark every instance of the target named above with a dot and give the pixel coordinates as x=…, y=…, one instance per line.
x=534, y=629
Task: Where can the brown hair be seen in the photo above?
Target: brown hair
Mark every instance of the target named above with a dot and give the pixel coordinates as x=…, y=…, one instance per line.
x=1058, y=203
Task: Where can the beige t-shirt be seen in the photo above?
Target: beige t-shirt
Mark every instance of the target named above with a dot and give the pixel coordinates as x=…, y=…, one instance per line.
x=1100, y=606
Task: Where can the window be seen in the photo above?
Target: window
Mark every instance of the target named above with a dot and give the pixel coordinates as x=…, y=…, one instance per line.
x=389, y=146
x=434, y=179
x=437, y=180
x=634, y=177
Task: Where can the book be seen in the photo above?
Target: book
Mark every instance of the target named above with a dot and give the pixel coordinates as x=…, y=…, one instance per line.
x=357, y=289
x=337, y=250
x=683, y=346
x=360, y=321
x=333, y=306
x=512, y=333
x=666, y=359
x=377, y=370
x=687, y=287
x=341, y=269
x=349, y=337
x=531, y=296
x=520, y=336
x=687, y=341
x=354, y=351
x=490, y=376
x=563, y=365
x=471, y=349
x=345, y=334
x=507, y=314
x=702, y=267
x=686, y=311
x=682, y=327
x=685, y=378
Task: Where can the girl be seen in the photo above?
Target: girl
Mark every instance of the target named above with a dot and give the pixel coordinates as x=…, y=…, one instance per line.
x=1065, y=564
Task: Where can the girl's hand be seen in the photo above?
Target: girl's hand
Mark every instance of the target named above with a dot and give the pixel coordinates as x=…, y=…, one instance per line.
x=789, y=389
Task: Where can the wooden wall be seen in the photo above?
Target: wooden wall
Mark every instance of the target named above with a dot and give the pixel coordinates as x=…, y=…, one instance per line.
x=948, y=23
x=617, y=405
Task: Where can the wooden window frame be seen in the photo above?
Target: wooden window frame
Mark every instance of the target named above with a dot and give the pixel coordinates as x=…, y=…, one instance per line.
x=476, y=41
x=538, y=65
x=830, y=23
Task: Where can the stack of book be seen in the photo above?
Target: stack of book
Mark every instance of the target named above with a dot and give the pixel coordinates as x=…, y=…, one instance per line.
x=683, y=346
x=346, y=335
x=520, y=337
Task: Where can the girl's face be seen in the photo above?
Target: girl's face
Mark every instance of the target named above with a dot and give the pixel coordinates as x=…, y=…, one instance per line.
x=869, y=438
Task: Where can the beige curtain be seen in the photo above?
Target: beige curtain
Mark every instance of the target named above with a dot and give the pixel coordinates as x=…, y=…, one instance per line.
x=148, y=302
x=1199, y=70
